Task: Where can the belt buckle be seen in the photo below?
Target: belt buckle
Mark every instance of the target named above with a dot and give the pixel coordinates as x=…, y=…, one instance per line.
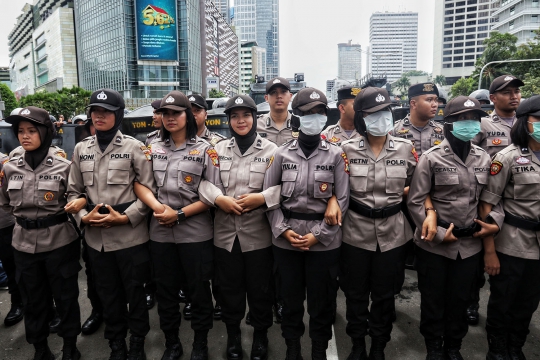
x=31, y=224
x=376, y=212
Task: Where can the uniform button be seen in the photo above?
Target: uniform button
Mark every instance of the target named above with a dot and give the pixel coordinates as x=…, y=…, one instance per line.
x=281, y=228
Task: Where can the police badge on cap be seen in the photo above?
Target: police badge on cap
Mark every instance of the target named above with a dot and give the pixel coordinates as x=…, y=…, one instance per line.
x=108, y=99
x=423, y=89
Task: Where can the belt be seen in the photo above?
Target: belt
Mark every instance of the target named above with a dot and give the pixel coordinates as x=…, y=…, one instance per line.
x=301, y=216
x=460, y=232
x=374, y=213
x=520, y=222
x=43, y=222
x=104, y=211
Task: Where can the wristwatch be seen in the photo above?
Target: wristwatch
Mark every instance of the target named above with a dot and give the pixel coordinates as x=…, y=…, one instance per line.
x=181, y=216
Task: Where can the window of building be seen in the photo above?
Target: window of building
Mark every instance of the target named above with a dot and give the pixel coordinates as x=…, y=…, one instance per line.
x=460, y=24
x=470, y=50
x=535, y=3
x=40, y=39
x=471, y=8
x=471, y=16
x=480, y=49
x=449, y=18
x=24, y=69
x=470, y=36
x=483, y=14
x=482, y=21
x=446, y=66
x=447, y=46
x=511, y=25
x=472, y=2
x=534, y=18
x=448, y=38
x=471, y=22
x=458, y=58
x=469, y=57
x=461, y=3
x=481, y=42
x=447, y=52
x=447, y=6
x=482, y=35
x=448, y=26
x=460, y=44
x=42, y=51
x=460, y=17
x=470, y=43
x=458, y=65
x=448, y=58
x=448, y=32
x=459, y=31
x=460, y=37
x=458, y=11
x=42, y=66
x=42, y=79
x=482, y=28
x=26, y=55
x=512, y=10
x=458, y=51
x=448, y=12
x=469, y=63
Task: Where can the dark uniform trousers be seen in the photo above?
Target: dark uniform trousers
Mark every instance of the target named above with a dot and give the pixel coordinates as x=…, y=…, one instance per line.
x=43, y=277
x=194, y=263
x=515, y=294
x=91, y=291
x=317, y=272
x=364, y=272
x=119, y=279
x=445, y=287
x=8, y=262
x=250, y=273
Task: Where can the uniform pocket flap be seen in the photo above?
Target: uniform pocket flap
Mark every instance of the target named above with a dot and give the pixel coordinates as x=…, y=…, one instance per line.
x=289, y=175
x=119, y=164
x=446, y=179
x=324, y=176
x=526, y=179
x=497, y=142
x=482, y=178
x=49, y=185
x=257, y=167
x=190, y=167
x=396, y=172
x=159, y=165
x=225, y=165
x=87, y=166
x=15, y=185
x=359, y=170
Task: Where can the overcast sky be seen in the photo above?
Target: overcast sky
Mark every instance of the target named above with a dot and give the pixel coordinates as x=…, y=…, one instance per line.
x=309, y=32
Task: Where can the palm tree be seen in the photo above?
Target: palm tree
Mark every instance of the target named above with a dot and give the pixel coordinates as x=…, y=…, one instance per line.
x=402, y=84
x=440, y=79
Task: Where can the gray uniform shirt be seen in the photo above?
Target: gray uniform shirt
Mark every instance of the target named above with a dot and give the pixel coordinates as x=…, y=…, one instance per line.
x=34, y=194
x=431, y=135
x=515, y=179
x=455, y=188
x=243, y=174
x=336, y=135
x=306, y=186
x=107, y=177
x=378, y=182
x=6, y=219
x=154, y=135
x=266, y=127
x=212, y=137
x=494, y=134
x=178, y=173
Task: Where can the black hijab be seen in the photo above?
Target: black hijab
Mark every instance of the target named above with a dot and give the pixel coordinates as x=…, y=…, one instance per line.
x=104, y=138
x=35, y=157
x=245, y=141
x=459, y=147
x=308, y=143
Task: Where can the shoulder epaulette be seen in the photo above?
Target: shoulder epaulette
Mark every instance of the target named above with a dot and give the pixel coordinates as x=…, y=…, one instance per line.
x=153, y=133
x=129, y=137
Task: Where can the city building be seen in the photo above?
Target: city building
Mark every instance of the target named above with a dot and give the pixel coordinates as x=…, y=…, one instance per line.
x=393, y=38
x=517, y=17
x=258, y=20
x=460, y=30
x=42, y=48
x=223, y=6
x=4, y=76
x=329, y=88
x=252, y=64
x=349, y=61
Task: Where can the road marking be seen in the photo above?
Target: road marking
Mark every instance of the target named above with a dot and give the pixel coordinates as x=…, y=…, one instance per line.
x=331, y=352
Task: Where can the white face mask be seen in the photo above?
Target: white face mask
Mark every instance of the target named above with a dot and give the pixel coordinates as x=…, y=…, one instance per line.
x=312, y=124
x=379, y=123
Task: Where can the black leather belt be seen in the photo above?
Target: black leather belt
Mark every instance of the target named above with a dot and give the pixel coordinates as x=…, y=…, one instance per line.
x=520, y=222
x=301, y=216
x=43, y=222
x=460, y=232
x=374, y=213
x=103, y=210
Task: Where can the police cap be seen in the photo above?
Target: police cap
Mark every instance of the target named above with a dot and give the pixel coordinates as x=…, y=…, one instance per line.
x=198, y=101
x=155, y=104
x=530, y=106
x=108, y=99
x=33, y=114
x=461, y=104
x=240, y=101
x=175, y=100
x=307, y=98
x=277, y=81
x=503, y=81
x=423, y=89
x=372, y=99
x=348, y=92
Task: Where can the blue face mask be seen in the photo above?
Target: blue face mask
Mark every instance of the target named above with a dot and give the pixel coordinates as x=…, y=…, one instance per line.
x=536, y=131
x=312, y=124
x=466, y=130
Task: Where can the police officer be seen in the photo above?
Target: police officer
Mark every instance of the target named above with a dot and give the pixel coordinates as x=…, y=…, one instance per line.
x=453, y=173
x=104, y=168
x=244, y=261
x=482, y=95
x=505, y=94
x=375, y=230
x=200, y=108
x=276, y=125
x=344, y=129
x=46, y=245
x=306, y=249
x=512, y=258
x=181, y=234
x=156, y=121
x=419, y=126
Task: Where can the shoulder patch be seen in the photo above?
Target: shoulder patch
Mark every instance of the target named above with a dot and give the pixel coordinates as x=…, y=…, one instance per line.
x=344, y=156
x=212, y=153
x=415, y=154
x=147, y=153
x=270, y=162
x=496, y=167
x=61, y=153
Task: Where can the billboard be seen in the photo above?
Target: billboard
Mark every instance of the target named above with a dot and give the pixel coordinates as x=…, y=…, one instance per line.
x=157, y=31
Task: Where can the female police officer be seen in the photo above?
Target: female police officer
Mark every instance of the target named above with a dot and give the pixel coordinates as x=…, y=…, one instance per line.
x=182, y=233
x=242, y=236
x=374, y=229
x=46, y=245
x=454, y=174
x=306, y=249
x=104, y=168
x=512, y=259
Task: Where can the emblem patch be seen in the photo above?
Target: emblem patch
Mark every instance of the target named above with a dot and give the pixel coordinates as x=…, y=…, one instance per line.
x=428, y=87
x=192, y=99
x=213, y=156
x=437, y=130
x=415, y=154
x=147, y=153
x=295, y=134
x=188, y=179
x=334, y=139
x=522, y=160
x=380, y=98
x=496, y=141
x=2, y=176
x=355, y=91
x=239, y=101
x=468, y=103
x=102, y=96
x=314, y=96
x=436, y=142
x=25, y=112
x=496, y=167
x=508, y=78
x=323, y=187
x=344, y=156
x=194, y=152
x=49, y=196
x=270, y=162
x=277, y=81
x=169, y=100
x=403, y=131
x=61, y=154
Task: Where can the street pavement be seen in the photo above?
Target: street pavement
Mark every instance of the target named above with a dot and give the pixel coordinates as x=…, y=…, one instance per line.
x=406, y=343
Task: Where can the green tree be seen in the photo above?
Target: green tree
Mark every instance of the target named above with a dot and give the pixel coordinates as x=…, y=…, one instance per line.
x=440, y=79
x=531, y=87
x=402, y=84
x=213, y=93
x=463, y=86
x=10, y=102
x=67, y=102
x=414, y=73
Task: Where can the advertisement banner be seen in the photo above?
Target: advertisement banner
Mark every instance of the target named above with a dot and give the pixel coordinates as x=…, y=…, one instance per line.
x=157, y=30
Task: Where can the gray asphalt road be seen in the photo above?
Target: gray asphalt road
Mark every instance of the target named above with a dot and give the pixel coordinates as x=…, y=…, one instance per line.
x=406, y=343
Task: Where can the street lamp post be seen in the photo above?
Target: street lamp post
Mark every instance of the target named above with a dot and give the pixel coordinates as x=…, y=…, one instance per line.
x=500, y=62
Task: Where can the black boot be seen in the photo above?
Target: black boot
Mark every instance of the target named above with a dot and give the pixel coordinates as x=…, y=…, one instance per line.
x=515, y=344
x=278, y=311
x=434, y=349
x=54, y=324
x=69, y=350
x=259, y=347
x=451, y=349
x=92, y=324
x=234, y=342
x=150, y=301
x=42, y=351
x=173, y=347
x=248, y=318
x=358, y=351
x=118, y=349
x=182, y=296
x=187, y=311
x=498, y=347
x=136, y=348
x=472, y=314
x=318, y=350
x=376, y=352
x=294, y=349
x=217, y=311
x=15, y=314
x=200, y=346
